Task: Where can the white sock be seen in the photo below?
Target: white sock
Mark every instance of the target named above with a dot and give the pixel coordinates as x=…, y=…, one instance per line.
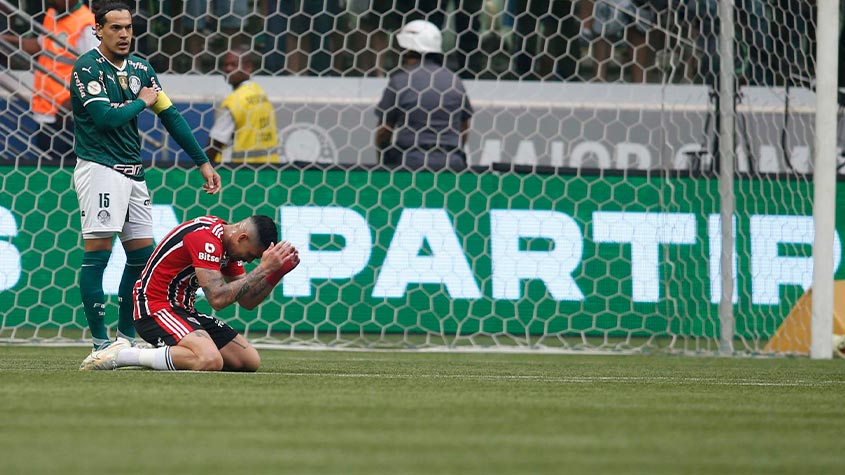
x=128, y=357
x=155, y=358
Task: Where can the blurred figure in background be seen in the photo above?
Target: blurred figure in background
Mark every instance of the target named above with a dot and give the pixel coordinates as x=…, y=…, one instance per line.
x=72, y=22
x=544, y=33
x=611, y=24
x=466, y=57
x=379, y=21
x=424, y=110
x=202, y=21
x=244, y=129
x=754, y=42
x=300, y=34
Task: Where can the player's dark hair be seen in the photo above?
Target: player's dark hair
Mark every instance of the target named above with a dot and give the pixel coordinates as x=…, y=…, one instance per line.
x=266, y=229
x=103, y=7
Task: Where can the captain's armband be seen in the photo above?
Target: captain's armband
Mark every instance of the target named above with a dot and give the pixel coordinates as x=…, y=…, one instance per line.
x=162, y=103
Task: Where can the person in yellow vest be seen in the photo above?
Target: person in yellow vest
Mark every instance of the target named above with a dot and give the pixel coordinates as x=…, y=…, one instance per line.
x=244, y=129
x=72, y=23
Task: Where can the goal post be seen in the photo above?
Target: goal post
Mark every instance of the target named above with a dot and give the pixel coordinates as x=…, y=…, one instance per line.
x=643, y=177
x=824, y=178
x=727, y=150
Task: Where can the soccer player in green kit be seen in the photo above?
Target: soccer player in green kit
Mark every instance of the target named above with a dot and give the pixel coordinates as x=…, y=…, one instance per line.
x=109, y=89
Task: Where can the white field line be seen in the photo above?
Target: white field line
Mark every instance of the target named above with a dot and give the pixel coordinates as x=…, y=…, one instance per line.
x=574, y=379
x=663, y=380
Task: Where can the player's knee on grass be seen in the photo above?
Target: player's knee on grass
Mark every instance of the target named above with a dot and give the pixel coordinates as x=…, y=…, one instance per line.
x=209, y=361
x=239, y=355
x=247, y=360
x=204, y=355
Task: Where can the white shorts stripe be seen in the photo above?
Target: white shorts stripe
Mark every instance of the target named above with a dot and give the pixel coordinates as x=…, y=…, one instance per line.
x=182, y=329
x=173, y=324
x=158, y=317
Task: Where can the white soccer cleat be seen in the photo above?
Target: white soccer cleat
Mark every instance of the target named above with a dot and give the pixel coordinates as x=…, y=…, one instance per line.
x=105, y=359
x=839, y=346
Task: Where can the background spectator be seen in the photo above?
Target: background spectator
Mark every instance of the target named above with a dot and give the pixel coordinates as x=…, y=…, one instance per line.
x=380, y=19
x=300, y=35
x=753, y=41
x=72, y=22
x=612, y=24
x=465, y=57
x=543, y=39
x=424, y=105
x=244, y=130
x=201, y=25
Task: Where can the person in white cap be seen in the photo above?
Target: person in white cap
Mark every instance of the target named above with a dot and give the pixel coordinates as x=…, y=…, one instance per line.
x=424, y=112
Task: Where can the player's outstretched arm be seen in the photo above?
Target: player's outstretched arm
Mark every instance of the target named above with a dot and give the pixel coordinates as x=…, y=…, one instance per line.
x=178, y=127
x=250, y=289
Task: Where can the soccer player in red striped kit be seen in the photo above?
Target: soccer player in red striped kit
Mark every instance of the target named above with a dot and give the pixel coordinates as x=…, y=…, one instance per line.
x=206, y=253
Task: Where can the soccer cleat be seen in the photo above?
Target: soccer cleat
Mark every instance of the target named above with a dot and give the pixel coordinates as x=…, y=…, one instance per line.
x=838, y=346
x=106, y=358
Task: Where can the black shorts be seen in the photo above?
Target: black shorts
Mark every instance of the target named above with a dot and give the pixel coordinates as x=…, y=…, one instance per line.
x=166, y=327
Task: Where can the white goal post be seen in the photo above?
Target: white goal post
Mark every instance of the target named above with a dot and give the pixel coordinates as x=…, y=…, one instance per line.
x=824, y=180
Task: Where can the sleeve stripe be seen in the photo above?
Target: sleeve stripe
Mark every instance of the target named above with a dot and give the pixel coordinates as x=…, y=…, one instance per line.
x=93, y=99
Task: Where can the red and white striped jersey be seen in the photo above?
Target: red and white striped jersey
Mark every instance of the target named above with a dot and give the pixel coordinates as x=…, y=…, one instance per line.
x=170, y=278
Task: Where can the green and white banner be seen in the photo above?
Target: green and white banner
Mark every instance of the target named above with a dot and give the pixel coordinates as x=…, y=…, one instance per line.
x=392, y=251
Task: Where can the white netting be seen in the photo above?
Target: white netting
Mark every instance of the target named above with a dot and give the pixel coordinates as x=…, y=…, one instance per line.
x=588, y=216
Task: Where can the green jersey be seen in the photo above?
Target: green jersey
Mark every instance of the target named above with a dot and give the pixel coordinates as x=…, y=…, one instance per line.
x=105, y=105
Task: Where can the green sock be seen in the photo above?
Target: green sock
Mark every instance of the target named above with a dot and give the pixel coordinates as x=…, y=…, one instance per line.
x=135, y=262
x=93, y=298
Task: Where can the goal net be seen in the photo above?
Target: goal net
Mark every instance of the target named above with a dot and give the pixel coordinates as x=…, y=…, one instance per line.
x=589, y=216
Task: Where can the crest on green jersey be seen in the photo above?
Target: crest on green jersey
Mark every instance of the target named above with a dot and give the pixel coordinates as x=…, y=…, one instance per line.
x=134, y=84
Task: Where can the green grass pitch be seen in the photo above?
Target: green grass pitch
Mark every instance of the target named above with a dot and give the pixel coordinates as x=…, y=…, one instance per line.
x=424, y=413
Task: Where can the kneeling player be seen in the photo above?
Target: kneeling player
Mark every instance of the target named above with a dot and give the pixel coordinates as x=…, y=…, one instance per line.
x=205, y=253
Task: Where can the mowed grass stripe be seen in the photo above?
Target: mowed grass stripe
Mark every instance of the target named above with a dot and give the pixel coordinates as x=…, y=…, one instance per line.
x=419, y=413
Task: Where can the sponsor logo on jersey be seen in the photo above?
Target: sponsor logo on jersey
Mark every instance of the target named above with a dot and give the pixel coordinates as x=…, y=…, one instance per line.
x=79, y=85
x=139, y=65
x=147, y=202
x=87, y=70
x=128, y=170
x=103, y=217
x=134, y=84
x=208, y=255
x=94, y=88
x=204, y=256
x=110, y=77
x=193, y=320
